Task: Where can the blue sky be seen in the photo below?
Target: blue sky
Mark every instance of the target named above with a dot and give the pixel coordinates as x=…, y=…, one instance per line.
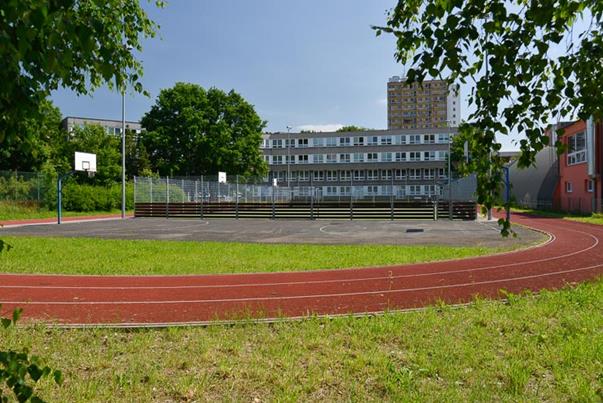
x=311, y=64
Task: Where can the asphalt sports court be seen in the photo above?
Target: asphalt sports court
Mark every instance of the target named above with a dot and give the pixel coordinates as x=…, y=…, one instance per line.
x=401, y=232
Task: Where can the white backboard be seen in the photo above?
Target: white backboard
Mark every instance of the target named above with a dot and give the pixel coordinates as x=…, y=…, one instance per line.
x=85, y=162
x=221, y=177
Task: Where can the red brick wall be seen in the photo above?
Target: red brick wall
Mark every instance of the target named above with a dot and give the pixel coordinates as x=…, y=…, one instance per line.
x=579, y=199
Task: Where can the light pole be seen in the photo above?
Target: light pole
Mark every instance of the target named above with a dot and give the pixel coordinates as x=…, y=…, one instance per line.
x=123, y=153
x=289, y=156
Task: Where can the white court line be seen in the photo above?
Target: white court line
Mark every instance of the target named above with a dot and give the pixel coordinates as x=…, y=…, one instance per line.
x=342, y=280
x=294, y=297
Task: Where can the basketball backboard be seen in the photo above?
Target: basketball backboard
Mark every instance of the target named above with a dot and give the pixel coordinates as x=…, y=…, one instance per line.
x=85, y=162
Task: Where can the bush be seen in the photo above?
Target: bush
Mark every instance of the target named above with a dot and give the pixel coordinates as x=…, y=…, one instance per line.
x=95, y=198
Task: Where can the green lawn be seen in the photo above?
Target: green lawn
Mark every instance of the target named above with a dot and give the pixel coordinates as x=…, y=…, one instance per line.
x=14, y=211
x=103, y=256
x=595, y=218
x=547, y=347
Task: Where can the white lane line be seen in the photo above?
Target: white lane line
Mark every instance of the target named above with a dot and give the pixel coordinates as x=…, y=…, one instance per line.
x=293, y=297
x=342, y=280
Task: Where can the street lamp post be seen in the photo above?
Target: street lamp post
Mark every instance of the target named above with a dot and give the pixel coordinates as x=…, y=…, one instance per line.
x=289, y=156
x=123, y=153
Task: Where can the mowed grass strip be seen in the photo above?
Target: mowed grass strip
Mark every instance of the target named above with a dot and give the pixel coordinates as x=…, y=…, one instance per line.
x=545, y=347
x=107, y=257
x=19, y=211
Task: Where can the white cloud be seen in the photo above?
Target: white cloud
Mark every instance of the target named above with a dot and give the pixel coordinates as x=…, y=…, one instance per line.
x=329, y=127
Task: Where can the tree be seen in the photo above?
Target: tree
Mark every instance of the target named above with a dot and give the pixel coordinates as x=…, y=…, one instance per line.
x=94, y=139
x=506, y=49
x=193, y=131
x=351, y=128
x=33, y=146
x=75, y=44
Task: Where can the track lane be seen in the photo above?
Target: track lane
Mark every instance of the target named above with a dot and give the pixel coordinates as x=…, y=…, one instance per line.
x=567, y=258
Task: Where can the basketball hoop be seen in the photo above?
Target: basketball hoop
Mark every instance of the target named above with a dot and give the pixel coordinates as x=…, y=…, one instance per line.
x=85, y=162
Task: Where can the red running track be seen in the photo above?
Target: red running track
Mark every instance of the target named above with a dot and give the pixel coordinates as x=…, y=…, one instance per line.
x=574, y=253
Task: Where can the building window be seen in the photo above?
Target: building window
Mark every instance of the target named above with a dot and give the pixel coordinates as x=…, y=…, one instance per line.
x=277, y=143
x=358, y=157
x=429, y=173
x=414, y=174
x=386, y=140
x=442, y=173
x=590, y=185
x=358, y=175
x=372, y=190
x=443, y=138
x=386, y=174
x=332, y=176
x=277, y=159
x=344, y=158
x=331, y=158
x=400, y=174
x=576, y=149
x=400, y=157
x=568, y=187
x=304, y=176
x=386, y=157
x=372, y=175
x=318, y=142
x=372, y=157
x=319, y=158
x=359, y=141
x=429, y=156
x=302, y=159
x=331, y=141
x=414, y=139
x=429, y=139
x=318, y=176
x=344, y=141
x=302, y=143
x=415, y=155
x=373, y=141
x=345, y=175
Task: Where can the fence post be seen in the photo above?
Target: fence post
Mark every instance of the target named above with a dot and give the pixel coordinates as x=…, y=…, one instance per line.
x=272, y=201
x=435, y=209
x=351, y=195
x=151, y=189
x=391, y=198
x=167, y=197
x=38, y=186
x=312, y=203
x=135, y=189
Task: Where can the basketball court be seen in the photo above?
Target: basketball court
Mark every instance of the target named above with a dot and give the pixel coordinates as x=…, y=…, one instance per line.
x=407, y=232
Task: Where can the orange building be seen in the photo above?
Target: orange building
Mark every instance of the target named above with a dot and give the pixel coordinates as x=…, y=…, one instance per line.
x=430, y=105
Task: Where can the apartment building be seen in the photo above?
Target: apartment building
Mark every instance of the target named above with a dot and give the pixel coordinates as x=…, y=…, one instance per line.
x=407, y=163
x=432, y=104
x=110, y=126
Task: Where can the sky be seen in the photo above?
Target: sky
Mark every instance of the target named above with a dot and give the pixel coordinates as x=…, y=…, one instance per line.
x=313, y=64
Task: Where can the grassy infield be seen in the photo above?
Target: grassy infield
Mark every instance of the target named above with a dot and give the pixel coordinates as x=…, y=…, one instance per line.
x=543, y=347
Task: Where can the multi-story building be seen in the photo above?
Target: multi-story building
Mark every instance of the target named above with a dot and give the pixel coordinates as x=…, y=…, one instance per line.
x=367, y=163
x=570, y=181
x=432, y=104
x=111, y=126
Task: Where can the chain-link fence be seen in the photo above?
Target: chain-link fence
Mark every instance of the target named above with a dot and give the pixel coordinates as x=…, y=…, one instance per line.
x=17, y=186
x=207, y=189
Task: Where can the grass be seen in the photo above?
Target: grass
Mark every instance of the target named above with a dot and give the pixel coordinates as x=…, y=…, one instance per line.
x=105, y=257
x=20, y=211
x=594, y=218
x=545, y=347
